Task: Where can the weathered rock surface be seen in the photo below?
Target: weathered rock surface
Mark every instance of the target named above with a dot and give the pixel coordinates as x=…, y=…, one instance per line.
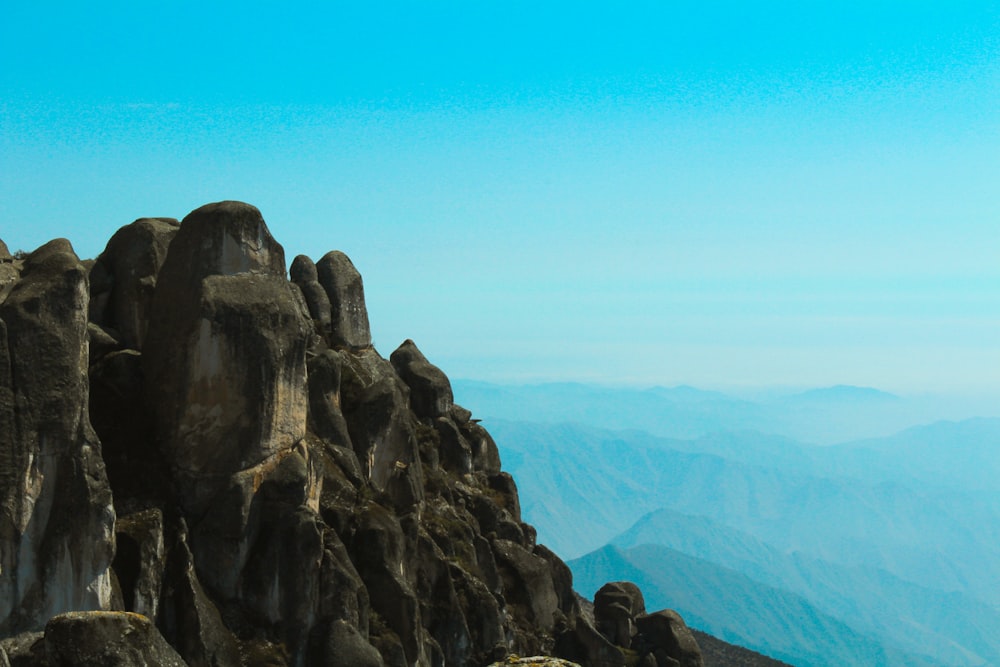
x=668, y=638
x=56, y=514
x=348, y=313
x=123, y=278
x=106, y=639
x=430, y=390
x=286, y=495
x=225, y=356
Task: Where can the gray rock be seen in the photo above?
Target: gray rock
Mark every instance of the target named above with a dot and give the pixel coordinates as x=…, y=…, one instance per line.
x=343, y=646
x=224, y=359
x=485, y=454
x=56, y=517
x=666, y=631
x=187, y=617
x=430, y=389
x=584, y=644
x=140, y=560
x=455, y=452
x=326, y=419
x=24, y=650
x=303, y=273
x=129, y=266
x=106, y=639
x=527, y=583
x=616, y=606
x=102, y=342
x=376, y=406
x=348, y=314
x=342, y=511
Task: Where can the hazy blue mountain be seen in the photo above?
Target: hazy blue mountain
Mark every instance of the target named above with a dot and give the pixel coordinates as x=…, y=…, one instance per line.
x=583, y=486
x=683, y=412
x=891, y=539
x=739, y=610
x=962, y=455
x=822, y=416
x=950, y=627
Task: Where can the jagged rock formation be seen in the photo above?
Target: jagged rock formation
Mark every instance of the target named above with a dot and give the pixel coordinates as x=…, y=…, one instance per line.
x=203, y=462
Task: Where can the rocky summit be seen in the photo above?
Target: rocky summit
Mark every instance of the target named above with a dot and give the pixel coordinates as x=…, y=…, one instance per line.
x=206, y=463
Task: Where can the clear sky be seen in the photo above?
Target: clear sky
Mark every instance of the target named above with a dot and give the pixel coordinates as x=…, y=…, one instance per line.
x=713, y=193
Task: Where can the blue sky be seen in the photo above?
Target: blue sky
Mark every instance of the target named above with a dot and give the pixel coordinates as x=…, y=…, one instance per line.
x=714, y=193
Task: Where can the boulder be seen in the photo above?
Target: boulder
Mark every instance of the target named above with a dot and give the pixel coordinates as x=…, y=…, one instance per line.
x=375, y=404
x=485, y=454
x=224, y=358
x=616, y=606
x=304, y=274
x=582, y=643
x=24, y=650
x=527, y=583
x=128, y=268
x=378, y=550
x=326, y=419
x=106, y=639
x=430, y=389
x=666, y=632
x=343, y=646
x=56, y=516
x=455, y=454
x=348, y=314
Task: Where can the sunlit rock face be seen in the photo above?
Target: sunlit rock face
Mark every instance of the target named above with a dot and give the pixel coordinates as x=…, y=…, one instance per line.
x=225, y=354
x=56, y=515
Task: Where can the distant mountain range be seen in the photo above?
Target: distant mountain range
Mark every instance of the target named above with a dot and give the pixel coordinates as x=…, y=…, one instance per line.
x=879, y=551
x=818, y=416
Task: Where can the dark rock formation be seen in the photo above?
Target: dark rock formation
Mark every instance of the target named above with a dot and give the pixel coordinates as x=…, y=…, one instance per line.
x=430, y=390
x=348, y=313
x=665, y=635
x=106, y=639
x=660, y=639
x=616, y=606
x=285, y=495
x=123, y=278
x=56, y=514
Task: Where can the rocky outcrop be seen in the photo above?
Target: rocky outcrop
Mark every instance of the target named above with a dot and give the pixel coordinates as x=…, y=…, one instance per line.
x=124, y=276
x=284, y=494
x=346, y=292
x=660, y=639
x=56, y=514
